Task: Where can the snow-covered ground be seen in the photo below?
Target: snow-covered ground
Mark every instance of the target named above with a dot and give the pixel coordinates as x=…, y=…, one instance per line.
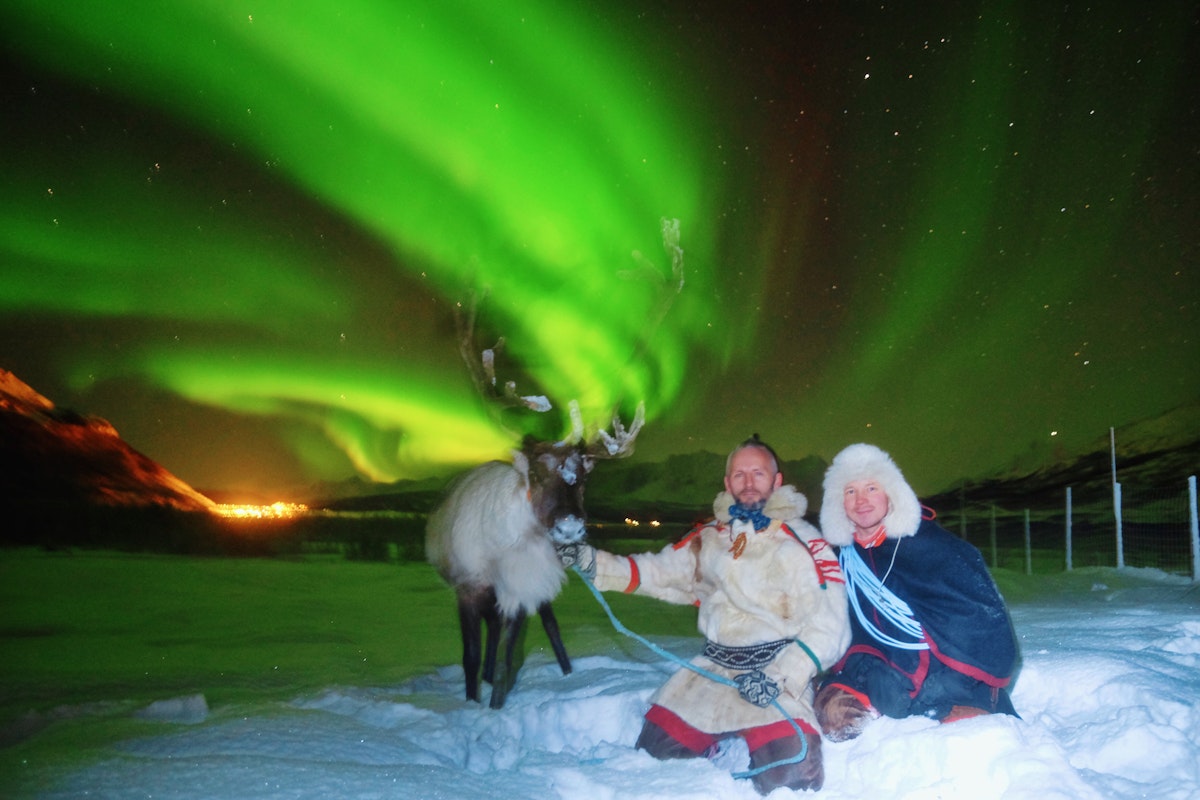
x=1107, y=694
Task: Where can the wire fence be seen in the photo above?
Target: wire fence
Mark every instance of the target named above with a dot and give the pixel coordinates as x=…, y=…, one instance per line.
x=1122, y=527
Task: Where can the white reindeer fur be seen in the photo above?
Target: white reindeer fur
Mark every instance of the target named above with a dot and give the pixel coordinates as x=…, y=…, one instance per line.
x=495, y=540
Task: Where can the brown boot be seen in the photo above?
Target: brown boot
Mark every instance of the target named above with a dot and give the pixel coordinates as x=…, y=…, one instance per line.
x=841, y=712
x=963, y=712
x=806, y=774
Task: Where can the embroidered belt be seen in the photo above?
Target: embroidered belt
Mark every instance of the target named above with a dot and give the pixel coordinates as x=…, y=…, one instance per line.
x=755, y=656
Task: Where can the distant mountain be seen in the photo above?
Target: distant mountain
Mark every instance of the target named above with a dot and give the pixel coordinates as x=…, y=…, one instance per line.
x=680, y=489
x=1159, y=452
x=1158, y=440
x=1090, y=475
x=54, y=458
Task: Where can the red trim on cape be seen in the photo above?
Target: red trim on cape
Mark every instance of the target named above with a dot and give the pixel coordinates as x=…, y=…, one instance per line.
x=967, y=669
x=855, y=693
x=916, y=678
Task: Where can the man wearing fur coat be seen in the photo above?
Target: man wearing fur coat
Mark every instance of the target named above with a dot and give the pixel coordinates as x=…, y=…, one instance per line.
x=772, y=608
x=931, y=634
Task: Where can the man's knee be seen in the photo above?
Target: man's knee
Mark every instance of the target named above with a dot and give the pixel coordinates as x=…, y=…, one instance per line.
x=664, y=735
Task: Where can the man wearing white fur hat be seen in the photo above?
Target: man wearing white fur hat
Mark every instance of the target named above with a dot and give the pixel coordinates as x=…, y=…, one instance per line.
x=931, y=634
x=772, y=608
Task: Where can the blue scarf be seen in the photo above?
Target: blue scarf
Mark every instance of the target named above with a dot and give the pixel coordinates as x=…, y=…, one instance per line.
x=752, y=515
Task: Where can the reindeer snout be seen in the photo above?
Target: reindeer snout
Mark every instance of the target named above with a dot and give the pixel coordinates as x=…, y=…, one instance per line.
x=568, y=530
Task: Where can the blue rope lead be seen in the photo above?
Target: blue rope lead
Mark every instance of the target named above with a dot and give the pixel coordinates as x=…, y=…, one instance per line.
x=796, y=759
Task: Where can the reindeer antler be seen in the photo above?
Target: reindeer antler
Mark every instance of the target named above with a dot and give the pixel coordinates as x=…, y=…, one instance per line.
x=482, y=366
x=619, y=443
x=603, y=444
x=668, y=290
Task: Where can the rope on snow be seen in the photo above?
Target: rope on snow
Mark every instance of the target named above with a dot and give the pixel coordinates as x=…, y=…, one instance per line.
x=796, y=759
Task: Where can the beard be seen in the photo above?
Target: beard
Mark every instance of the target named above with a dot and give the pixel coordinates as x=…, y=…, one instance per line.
x=753, y=505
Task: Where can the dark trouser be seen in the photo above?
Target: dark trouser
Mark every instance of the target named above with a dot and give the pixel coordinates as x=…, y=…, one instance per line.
x=664, y=735
x=941, y=689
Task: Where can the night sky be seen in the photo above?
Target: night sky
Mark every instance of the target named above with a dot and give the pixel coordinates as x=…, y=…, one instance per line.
x=238, y=230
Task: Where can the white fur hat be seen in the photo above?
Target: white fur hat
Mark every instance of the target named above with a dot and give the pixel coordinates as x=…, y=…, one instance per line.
x=867, y=462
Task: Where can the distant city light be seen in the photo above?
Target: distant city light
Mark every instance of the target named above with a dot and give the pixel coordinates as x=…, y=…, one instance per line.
x=274, y=511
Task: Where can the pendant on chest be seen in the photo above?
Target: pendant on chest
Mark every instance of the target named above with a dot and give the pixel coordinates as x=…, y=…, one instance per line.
x=739, y=545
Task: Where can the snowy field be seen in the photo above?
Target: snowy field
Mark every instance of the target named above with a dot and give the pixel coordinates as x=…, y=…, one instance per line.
x=1107, y=691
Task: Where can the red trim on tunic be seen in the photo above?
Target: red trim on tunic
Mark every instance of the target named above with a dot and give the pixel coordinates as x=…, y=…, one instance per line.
x=635, y=576
x=765, y=734
x=828, y=568
x=673, y=725
x=692, y=534
x=698, y=741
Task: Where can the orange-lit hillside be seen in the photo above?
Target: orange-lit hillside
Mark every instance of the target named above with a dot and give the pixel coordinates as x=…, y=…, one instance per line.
x=56, y=456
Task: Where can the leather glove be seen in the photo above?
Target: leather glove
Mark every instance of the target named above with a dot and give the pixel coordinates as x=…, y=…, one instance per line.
x=580, y=555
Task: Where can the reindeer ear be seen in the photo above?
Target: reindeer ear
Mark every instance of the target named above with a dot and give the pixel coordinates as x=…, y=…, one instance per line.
x=521, y=465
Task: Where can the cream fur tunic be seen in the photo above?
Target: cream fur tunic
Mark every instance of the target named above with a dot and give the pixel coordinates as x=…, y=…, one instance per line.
x=777, y=588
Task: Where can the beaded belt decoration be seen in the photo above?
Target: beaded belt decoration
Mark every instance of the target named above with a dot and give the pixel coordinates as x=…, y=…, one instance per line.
x=755, y=656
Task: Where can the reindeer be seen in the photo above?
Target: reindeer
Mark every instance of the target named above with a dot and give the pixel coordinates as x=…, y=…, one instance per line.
x=493, y=536
x=493, y=539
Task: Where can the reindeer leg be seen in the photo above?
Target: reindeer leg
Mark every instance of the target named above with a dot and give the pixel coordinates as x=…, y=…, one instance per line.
x=550, y=624
x=491, y=615
x=469, y=619
x=506, y=670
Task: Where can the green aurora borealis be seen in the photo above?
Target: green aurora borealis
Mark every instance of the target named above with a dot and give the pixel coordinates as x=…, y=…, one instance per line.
x=238, y=231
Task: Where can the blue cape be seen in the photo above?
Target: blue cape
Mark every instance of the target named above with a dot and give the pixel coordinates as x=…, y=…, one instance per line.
x=973, y=649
